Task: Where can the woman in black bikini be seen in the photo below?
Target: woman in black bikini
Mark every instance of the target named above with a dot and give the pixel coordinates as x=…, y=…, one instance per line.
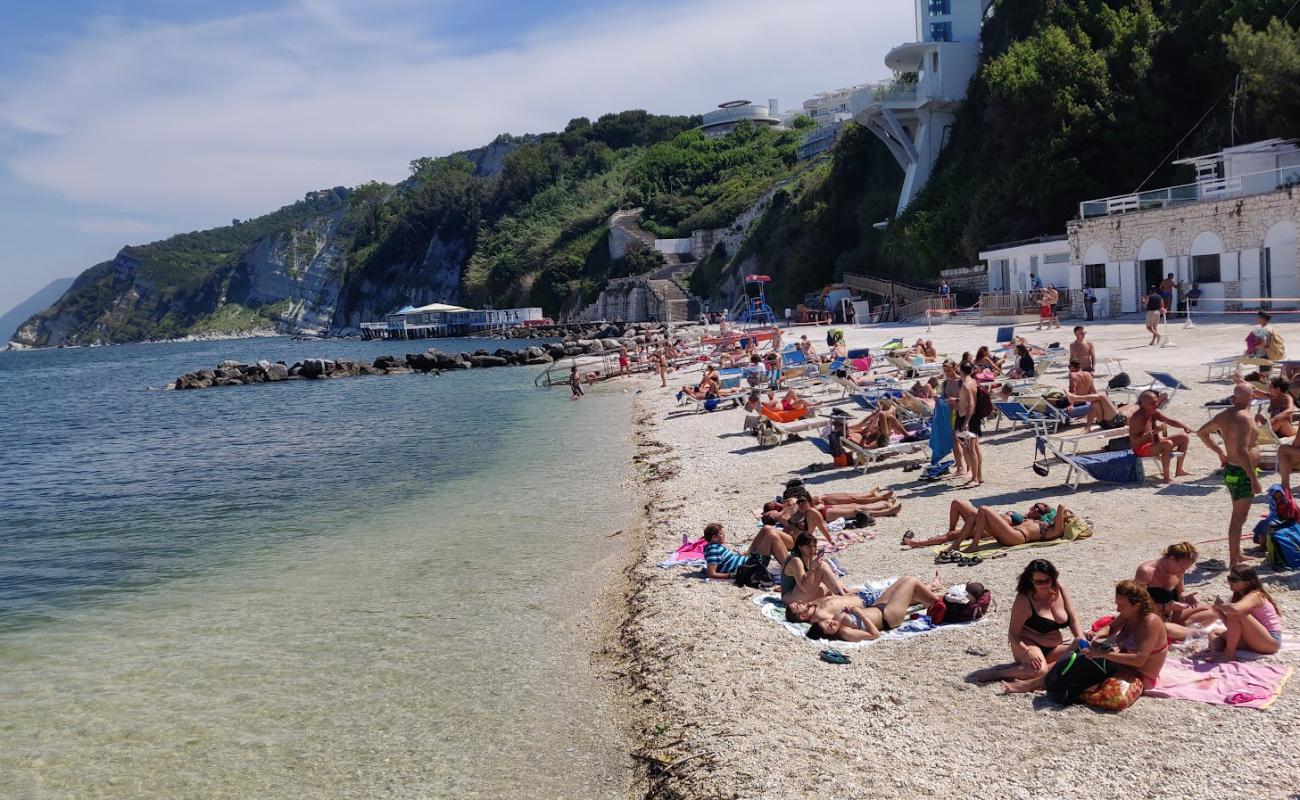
x=1163, y=578
x=805, y=575
x=850, y=619
x=1041, y=611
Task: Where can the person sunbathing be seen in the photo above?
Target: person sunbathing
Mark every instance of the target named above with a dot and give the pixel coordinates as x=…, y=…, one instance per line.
x=722, y=562
x=832, y=507
x=1133, y=647
x=806, y=575
x=708, y=392
x=803, y=517
x=1251, y=618
x=1163, y=578
x=1281, y=408
x=1042, y=609
x=1041, y=523
x=853, y=619
x=875, y=429
x=1148, y=430
x=984, y=360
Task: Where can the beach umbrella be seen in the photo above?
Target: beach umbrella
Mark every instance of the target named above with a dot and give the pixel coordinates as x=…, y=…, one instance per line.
x=940, y=432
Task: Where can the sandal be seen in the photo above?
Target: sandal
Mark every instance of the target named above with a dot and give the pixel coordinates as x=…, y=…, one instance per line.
x=835, y=657
x=909, y=536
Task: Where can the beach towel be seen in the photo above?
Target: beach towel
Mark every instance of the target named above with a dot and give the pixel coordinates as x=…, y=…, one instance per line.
x=916, y=623
x=987, y=545
x=1236, y=683
x=940, y=431
x=689, y=554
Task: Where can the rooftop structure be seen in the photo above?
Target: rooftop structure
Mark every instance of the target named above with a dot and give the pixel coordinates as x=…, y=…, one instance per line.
x=1247, y=169
x=913, y=113
x=441, y=319
x=728, y=115
x=831, y=108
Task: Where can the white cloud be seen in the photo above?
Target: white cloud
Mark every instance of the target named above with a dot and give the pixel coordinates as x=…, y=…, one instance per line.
x=236, y=116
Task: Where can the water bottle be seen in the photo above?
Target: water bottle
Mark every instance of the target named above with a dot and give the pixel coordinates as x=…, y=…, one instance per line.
x=1196, y=638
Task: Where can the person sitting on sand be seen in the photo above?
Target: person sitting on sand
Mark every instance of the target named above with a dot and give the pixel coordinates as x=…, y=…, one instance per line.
x=1041, y=523
x=1135, y=644
x=1163, y=578
x=1024, y=367
x=852, y=619
x=1148, y=432
x=1252, y=619
x=806, y=575
x=875, y=429
x=722, y=562
x=984, y=360
x=1042, y=609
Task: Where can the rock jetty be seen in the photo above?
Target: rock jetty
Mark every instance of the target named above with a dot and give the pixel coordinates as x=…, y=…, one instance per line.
x=431, y=361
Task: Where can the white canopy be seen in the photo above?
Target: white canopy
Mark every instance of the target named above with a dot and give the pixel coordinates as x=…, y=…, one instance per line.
x=432, y=307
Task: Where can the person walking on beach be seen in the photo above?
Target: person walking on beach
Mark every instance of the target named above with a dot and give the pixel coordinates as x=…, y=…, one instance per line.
x=1083, y=351
x=968, y=424
x=1145, y=432
x=623, y=361
x=661, y=364
x=1239, y=456
x=1155, y=309
x=1054, y=301
x=575, y=382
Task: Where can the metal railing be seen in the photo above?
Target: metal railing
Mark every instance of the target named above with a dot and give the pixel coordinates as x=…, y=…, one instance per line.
x=1008, y=304
x=902, y=292
x=1200, y=192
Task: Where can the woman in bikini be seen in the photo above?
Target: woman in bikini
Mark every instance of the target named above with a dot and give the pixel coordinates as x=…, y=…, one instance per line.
x=1251, y=617
x=858, y=618
x=984, y=360
x=1041, y=611
x=1134, y=646
x=801, y=517
x=832, y=506
x=1041, y=523
x=805, y=575
x=1163, y=578
x=874, y=431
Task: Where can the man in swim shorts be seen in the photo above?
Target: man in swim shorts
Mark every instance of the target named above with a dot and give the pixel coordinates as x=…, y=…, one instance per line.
x=1144, y=431
x=1239, y=456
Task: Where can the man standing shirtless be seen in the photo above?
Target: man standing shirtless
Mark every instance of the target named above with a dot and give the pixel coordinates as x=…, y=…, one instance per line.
x=1144, y=432
x=1238, y=455
x=1083, y=352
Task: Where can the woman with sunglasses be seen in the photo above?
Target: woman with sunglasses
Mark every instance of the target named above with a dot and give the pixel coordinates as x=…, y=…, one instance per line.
x=1041, y=612
x=860, y=617
x=1041, y=523
x=1251, y=617
x=806, y=575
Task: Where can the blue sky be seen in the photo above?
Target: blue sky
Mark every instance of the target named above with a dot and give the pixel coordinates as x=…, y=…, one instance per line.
x=126, y=122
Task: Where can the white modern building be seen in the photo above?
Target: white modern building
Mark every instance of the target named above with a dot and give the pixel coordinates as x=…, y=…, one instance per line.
x=1012, y=266
x=829, y=110
x=1233, y=232
x=724, y=119
x=914, y=113
x=441, y=319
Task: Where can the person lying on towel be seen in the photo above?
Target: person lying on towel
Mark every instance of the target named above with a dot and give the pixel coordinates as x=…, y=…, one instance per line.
x=1041, y=523
x=861, y=617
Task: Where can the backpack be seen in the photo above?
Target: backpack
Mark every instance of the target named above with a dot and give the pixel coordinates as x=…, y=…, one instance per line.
x=1072, y=676
x=1120, y=381
x=1282, y=547
x=983, y=403
x=1276, y=346
x=768, y=435
x=945, y=612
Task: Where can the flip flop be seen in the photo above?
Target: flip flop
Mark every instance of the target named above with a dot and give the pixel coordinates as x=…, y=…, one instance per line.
x=835, y=657
x=909, y=536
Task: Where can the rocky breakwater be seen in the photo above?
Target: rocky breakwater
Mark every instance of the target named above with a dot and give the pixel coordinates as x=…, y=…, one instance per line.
x=433, y=361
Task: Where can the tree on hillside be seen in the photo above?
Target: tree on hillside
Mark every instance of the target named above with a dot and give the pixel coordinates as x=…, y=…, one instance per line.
x=1270, y=64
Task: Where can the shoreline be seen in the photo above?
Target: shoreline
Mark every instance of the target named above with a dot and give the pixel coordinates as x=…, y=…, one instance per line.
x=730, y=705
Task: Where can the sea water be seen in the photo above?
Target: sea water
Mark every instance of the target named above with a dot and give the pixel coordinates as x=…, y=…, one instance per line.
x=360, y=587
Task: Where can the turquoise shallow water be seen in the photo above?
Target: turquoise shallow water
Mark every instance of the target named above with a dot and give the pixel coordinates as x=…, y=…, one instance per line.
x=351, y=588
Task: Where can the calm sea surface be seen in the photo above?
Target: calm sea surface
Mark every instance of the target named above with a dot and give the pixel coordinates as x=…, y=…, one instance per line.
x=363, y=587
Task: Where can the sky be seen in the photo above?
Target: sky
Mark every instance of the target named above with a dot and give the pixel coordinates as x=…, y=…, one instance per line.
x=126, y=122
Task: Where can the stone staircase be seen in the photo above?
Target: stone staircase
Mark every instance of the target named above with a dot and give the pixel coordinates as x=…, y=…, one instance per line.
x=679, y=305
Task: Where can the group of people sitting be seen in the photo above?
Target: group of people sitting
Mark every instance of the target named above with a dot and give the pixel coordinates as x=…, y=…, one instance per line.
x=1152, y=611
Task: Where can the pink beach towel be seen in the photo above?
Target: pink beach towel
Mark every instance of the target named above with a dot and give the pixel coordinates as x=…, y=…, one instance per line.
x=1236, y=683
x=690, y=553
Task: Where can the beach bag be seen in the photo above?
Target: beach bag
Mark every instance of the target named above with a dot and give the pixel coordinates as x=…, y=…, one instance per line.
x=1282, y=547
x=753, y=574
x=983, y=403
x=1119, y=445
x=1070, y=677
x=1113, y=694
x=948, y=611
x=1276, y=346
x=768, y=435
x=1120, y=381
x=1284, y=505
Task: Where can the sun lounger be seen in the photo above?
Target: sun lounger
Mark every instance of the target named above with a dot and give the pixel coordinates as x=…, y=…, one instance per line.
x=867, y=457
x=701, y=406
x=1222, y=369
x=1019, y=415
x=1106, y=467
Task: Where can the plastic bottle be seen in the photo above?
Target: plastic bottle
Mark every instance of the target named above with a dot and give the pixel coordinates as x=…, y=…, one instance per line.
x=1196, y=638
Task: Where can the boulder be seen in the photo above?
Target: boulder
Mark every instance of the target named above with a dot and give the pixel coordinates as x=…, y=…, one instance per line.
x=422, y=362
x=488, y=361
x=538, y=360
x=315, y=368
x=555, y=351
x=228, y=364
x=595, y=348
x=534, y=352
x=610, y=344
x=384, y=362
x=277, y=372
x=482, y=351
x=504, y=353
x=574, y=350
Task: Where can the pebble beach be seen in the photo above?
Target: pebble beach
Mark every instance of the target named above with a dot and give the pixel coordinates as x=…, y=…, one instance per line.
x=733, y=705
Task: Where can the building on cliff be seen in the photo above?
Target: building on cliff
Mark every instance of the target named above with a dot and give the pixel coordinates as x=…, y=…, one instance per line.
x=724, y=119
x=1232, y=232
x=441, y=319
x=913, y=113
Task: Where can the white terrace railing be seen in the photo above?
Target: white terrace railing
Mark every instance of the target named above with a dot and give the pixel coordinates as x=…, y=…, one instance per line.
x=1188, y=193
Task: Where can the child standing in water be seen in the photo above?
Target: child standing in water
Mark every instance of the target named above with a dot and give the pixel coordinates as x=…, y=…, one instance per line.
x=575, y=383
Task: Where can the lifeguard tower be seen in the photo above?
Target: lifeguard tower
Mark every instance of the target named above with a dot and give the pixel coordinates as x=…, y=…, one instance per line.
x=755, y=310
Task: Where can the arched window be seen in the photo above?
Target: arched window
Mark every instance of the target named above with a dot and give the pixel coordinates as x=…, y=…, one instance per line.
x=1207, y=248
